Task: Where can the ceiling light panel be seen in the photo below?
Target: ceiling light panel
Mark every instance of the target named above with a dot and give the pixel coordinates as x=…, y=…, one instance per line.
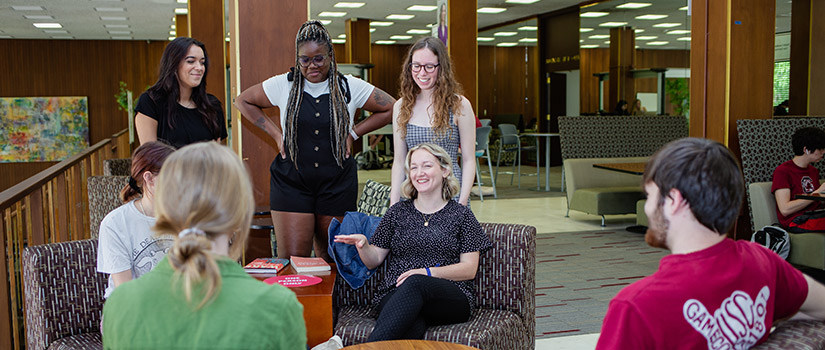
x=372, y=30
x=109, y=9
x=506, y=44
x=521, y=1
x=332, y=14
x=55, y=31
x=325, y=21
x=594, y=14
x=658, y=43
x=599, y=36
x=339, y=41
x=646, y=37
x=123, y=26
x=400, y=17
x=349, y=5
x=633, y=5
x=612, y=24
x=686, y=38
x=667, y=25
x=38, y=17
x=401, y=37
x=122, y=37
x=381, y=24
x=651, y=17
x=385, y=42
x=47, y=25
x=120, y=32
x=589, y=46
x=181, y=1
x=585, y=30
x=678, y=31
x=485, y=38
x=342, y=36
x=531, y=28
x=422, y=8
x=504, y=33
x=111, y=18
x=27, y=8
x=528, y=40
x=491, y=10
x=419, y=31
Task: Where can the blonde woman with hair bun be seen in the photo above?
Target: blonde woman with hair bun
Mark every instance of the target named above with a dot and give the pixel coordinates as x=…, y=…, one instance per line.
x=199, y=296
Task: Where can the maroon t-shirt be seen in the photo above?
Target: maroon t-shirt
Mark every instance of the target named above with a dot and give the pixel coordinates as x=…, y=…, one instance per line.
x=799, y=181
x=726, y=296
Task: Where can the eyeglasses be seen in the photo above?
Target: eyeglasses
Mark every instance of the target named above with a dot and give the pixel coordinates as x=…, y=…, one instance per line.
x=429, y=68
x=306, y=61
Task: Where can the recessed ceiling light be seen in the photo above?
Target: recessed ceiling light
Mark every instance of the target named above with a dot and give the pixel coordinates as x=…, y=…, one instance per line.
x=638, y=30
x=679, y=31
x=528, y=28
x=646, y=37
x=589, y=46
x=686, y=38
x=585, y=30
x=109, y=9
x=685, y=8
x=38, y=17
x=400, y=17
x=122, y=37
x=430, y=25
x=594, y=14
x=658, y=43
x=47, y=25
x=599, y=36
x=62, y=37
x=120, y=32
x=528, y=40
x=667, y=25
x=339, y=41
x=607, y=42
x=171, y=38
x=172, y=32
x=123, y=26
x=506, y=44
x=522, y=1
x=181, y=1
x=491, y=10
x=633, y=5
x=401, y=37
x=381, y=24
x=419, y=31
x=372, y=30
x=651, y=17
x=385, y=42
x=54, y=31
x=227, y=39
x=27, y=8
x=612, y=24
x=422, y=8
x=181, y=11
x=485, y=38
x=342, y=36
x=581, y=40
x=504, y=33
x=325, y=21
x=332, y=14
x=349, y=5
x=110, y=18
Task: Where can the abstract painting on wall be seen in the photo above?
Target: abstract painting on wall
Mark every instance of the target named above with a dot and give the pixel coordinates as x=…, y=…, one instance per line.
x=43, y=129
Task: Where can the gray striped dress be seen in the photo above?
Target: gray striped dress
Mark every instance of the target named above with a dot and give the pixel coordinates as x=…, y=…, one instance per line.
x=449, y=141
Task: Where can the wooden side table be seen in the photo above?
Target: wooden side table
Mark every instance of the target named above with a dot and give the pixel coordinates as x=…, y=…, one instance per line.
x=409, y=344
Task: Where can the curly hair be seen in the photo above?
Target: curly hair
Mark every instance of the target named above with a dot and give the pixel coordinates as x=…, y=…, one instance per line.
x=449, y=186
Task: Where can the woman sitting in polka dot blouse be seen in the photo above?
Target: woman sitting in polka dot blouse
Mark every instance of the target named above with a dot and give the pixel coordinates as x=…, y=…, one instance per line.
x=431, y=245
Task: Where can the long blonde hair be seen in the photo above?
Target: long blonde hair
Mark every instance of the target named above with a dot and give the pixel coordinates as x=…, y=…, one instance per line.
x=205, y=188
x=446, y=92
x=449, y=185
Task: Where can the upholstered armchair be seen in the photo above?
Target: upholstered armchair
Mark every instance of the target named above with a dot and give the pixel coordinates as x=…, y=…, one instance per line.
x=103, y=198
x=795, y=335
x=375, y=199
x=64, y=296
x=505, y=314
x=117, y=167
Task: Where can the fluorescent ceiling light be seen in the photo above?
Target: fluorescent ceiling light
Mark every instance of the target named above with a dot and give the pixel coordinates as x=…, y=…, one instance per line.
x=528, y=40
x=122, y=37
x=485, y=38
x=658, y=43
x=678, y=31
x=585, y=30
x=504, y=33
x=430, y=25
x=506, y=44
x=419, y=31
x=339, y=41
x=599, y=36
x=400, y=17
x=181, y=1
x=48, y=25
x=120, y=32
x=109, y=9
x=647, y=37
x=683, y=8
x=332, y=14
x=27, y=8
x=227, y=39
x=381, y=24
x=633, y=5
x=5, y=36
x=171, y=38
x=349, y=5
x=172, y=32
x=589, y=46
x=342, y=36
x=325, y=21
x=612, y=24
x=667, y=25
x=123, y=26
x=401, y=37
x=372, y=30
x=638, y=30
x=385, y=42
x=607, y=42
x=521, y=1
x=110, y=18
x=651, y=17
x=594, y=14
x=581, y=40
x=181, y=11
x=491, y=10
x=422, y=8
x=63, y=37
x=528, y=28
x=38, y=17
x=53, y=31
x=686, y=38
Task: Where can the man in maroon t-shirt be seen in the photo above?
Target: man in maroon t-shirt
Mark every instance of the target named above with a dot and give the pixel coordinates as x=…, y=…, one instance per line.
x=711, y=292
x=799, y=176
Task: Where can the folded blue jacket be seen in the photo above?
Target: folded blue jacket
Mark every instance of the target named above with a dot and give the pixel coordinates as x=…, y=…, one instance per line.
x=349, y=264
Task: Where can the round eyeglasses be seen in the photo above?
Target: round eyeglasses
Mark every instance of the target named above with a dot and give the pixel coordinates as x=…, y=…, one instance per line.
x=429, y=68
x=305, y=61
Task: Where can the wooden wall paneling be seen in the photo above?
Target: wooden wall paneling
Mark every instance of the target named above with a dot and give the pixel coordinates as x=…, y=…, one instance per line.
x=60, y=200
x=800, y=56
x=463, y=30
x=486, y=82
x=6, y=314
x=531, y=93
x=206, y=24
x=358, y=48
x=181, y=25
x=388, y=60
x=34, y=202
x=622, y=60
x=592, y=61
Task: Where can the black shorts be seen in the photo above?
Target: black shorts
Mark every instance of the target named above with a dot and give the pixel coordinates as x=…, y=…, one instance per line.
x=325, y=190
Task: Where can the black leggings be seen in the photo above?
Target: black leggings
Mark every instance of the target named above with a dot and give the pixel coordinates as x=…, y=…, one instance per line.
x=421, y=301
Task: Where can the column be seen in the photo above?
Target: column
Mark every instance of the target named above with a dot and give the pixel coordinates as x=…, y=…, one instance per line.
x=181, y=25
x=206, y=24
x=462, y=25
x=807, y=78
x=622, y=59
x=358, y=48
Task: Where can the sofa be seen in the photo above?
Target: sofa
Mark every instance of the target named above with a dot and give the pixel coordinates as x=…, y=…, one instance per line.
x=599, y=191
x=505, y=314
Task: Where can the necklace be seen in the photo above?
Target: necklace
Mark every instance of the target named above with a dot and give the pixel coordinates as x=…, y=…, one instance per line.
x=427, y=219
x=189, y=104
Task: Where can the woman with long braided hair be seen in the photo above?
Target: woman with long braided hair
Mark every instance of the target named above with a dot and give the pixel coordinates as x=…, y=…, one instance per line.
x=314, y=178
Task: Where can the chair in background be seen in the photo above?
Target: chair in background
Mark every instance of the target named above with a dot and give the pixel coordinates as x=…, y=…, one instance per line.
x=117, y=167
x=375, y=199
x=485, y=122
x=63, y=295
x=483, y=151
x=103, y=198
x=511, y=142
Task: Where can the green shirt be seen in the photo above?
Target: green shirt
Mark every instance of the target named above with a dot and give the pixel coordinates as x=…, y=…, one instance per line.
x=148, y=313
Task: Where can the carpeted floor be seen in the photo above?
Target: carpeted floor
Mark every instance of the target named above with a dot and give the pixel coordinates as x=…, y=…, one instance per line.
x=577, y=273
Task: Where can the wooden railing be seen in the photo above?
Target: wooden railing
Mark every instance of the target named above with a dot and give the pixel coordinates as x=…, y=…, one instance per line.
x=50, y=207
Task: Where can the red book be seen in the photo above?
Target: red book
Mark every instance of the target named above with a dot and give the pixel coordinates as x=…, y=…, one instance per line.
x=301, y=264
x=266, y=265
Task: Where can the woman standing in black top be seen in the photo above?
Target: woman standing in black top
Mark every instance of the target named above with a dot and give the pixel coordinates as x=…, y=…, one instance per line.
x=177, y=109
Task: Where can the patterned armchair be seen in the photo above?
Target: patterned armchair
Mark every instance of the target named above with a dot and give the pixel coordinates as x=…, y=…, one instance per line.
x=64, y=296
x=103, y=198
x=117, y=167
x=375, y=199
x=505, y=314
x=808, y=335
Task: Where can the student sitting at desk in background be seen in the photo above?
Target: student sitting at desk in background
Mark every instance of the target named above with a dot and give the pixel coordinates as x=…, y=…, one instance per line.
x=799, y=176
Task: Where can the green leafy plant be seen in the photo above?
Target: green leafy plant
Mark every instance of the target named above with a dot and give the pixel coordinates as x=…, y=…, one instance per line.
x=121, y=97
x=678, y=93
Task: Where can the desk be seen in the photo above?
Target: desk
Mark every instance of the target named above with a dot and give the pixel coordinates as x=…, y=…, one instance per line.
x=317, y=302
x=547, y=137
x=627, y=168
x=409, y=344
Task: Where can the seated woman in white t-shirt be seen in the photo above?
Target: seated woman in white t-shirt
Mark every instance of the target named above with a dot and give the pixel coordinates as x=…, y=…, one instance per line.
x=127, y=247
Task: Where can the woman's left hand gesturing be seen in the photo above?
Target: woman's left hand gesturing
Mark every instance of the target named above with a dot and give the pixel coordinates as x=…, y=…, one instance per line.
x=409, y=273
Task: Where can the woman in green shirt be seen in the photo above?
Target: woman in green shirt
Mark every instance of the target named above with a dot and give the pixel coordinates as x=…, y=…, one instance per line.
x=198, y=296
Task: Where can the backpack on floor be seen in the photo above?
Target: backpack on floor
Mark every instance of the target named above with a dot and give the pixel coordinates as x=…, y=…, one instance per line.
x=369, y=160
x=774, y=238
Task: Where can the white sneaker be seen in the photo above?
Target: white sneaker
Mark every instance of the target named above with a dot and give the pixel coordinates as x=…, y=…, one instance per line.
x=333, y=343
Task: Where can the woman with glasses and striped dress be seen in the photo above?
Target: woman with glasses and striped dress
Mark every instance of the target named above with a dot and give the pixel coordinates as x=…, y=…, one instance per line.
x=314, y=176
x=431, y=109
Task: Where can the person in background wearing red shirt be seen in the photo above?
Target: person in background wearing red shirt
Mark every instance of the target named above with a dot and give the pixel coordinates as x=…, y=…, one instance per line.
x=798, y=176
x=711, y=292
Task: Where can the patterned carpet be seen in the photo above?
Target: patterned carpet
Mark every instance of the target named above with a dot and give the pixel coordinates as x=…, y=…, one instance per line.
x=577, y=273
